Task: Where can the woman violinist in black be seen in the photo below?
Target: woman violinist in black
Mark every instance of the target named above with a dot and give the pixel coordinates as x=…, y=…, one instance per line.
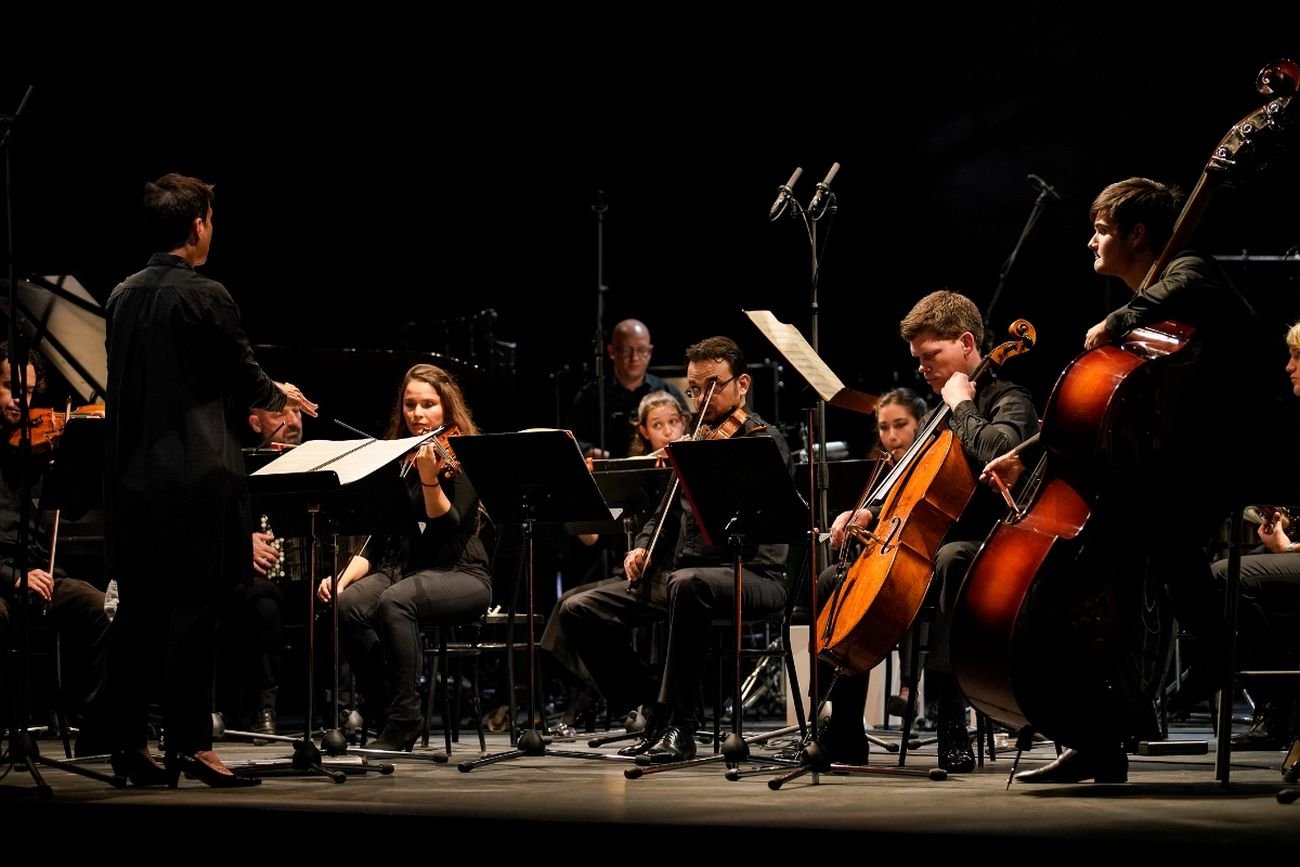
x=437, y=574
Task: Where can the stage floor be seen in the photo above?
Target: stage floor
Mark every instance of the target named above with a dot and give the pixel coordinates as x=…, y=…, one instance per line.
x=511, y=806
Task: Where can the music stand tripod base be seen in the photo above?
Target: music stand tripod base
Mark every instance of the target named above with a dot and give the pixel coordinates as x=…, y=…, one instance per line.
x=530, y=478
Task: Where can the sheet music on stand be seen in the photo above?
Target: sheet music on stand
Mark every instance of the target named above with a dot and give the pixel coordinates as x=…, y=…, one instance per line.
x=802, y=357
x=348, y=460
x=339, y=488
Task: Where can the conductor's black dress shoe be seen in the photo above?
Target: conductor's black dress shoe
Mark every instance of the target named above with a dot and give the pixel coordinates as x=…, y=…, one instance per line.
x=677, y=745
x=1074, y=766
x=139, y=768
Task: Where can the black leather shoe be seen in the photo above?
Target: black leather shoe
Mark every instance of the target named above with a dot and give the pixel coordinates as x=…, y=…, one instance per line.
x=844, y=745
x=676, y=745
x=196, y=769
x=650, y=736
x=140, y=769
x=955, y=754
x=397, y=736
x=264, y=722
x=91, y=741
x=651, y=729
x=1269, y=730
x=1072, y=766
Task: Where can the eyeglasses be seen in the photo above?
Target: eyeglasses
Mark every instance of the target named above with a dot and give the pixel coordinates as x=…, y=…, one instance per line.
x=629, y=351
x=697, y=391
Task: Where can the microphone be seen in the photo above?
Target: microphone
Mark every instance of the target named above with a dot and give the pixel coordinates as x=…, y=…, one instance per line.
x=784, y=192
x=1044, y=187
x=823, y=188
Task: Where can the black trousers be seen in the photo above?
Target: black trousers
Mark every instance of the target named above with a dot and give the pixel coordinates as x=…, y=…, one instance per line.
x=600, y=624
x=76, y=613
x=379, y=630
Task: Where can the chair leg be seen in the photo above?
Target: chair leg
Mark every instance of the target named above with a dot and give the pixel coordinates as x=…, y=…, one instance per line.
x=476, y=703
x=444, y=670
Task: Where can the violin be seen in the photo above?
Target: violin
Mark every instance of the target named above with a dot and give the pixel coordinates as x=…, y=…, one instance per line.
x=45, y=425
x=727, y=428
x=439, y=439
x=442, y=445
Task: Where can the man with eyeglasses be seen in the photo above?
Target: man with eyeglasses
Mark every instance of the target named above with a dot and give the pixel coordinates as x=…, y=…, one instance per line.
x=686, y=583
x=630, y=349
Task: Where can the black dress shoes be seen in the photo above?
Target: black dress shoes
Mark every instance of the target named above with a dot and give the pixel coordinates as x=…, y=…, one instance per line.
x=677, y=745
x=397, y=736
x=140, y=769
x=1270, y=729
x=955, y=754
x=843, y=744
x=195, y=768
x=1074, y=766
x=650, y=736
x=264, y=722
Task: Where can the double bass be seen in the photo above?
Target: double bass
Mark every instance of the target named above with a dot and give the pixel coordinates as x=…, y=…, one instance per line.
x=1059, y=627
x=922, y=497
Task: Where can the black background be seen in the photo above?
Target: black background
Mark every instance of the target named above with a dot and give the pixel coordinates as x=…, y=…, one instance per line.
x=369, y=189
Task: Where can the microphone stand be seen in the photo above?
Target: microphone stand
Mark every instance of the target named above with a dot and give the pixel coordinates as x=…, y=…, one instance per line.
x=822, y=205
x=1045, y=192
x=598, y=341
x=22, y=748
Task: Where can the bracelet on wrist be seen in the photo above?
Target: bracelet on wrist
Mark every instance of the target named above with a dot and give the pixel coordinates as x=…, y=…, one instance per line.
x=437, y=484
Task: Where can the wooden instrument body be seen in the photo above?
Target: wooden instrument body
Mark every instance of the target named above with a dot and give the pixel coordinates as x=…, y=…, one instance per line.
x=1043, y=629
x=888, y=582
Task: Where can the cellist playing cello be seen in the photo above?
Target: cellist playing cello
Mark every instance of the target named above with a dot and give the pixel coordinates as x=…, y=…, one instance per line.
x=1153, y=464
x=944, y=332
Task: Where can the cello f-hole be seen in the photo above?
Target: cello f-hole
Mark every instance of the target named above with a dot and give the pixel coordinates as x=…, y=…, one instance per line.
x=894, y=525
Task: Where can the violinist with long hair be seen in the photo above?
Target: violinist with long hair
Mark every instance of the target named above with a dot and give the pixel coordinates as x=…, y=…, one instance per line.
x=944, y=331
x=437, y=574
x=692, y=584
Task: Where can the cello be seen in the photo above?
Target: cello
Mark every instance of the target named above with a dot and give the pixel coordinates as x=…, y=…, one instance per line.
x=1060, y=626
x=922, y=497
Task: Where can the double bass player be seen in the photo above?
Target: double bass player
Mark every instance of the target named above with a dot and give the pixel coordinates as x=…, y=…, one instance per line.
x=1133, y=221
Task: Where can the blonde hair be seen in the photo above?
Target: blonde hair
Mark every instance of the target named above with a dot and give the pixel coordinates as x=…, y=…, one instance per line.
x=1293, y=336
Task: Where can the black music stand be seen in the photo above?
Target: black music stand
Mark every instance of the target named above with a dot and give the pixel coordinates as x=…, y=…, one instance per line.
x=357, y=493
x=634, y=490
x=530, y=478
x=635, y=485
x=741, y=492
